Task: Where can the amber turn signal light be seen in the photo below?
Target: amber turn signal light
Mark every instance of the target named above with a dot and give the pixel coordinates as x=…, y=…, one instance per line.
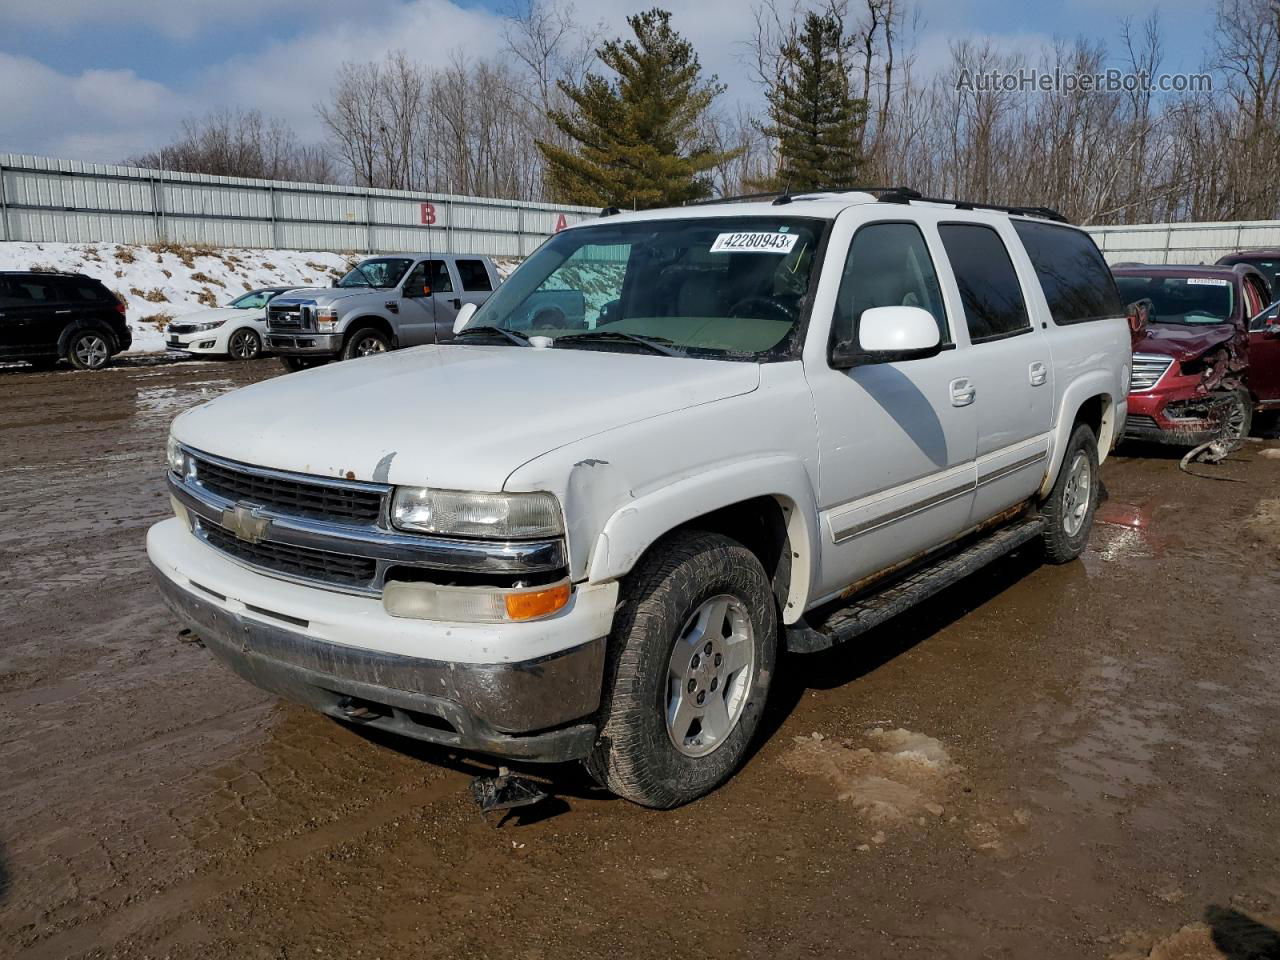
x=539, y=603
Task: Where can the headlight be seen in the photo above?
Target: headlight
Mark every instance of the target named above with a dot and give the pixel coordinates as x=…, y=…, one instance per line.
x=455, y=513
x=327, y=319
x=177, y=458
x=211, y=325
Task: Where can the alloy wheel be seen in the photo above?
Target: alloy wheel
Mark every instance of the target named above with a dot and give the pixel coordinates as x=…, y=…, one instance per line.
x=1076, y=495
x=709, y=675
x=92, y=351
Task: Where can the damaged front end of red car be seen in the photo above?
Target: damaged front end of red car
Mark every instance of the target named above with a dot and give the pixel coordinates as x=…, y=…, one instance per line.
x=1188, y=384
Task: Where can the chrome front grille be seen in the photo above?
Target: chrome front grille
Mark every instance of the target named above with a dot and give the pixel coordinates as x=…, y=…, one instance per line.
x=301, y=562
x=289, y=316
x=348, y=503
x=334, y=533
x=1148, y=368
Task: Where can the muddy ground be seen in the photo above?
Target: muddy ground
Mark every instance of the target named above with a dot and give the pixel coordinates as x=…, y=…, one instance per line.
x=1043, y=762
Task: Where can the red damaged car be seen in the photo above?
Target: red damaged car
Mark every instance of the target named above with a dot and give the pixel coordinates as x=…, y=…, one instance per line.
x=1198, y=368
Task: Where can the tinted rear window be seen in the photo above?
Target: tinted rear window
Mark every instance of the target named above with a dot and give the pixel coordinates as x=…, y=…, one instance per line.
x=83, y=291
x=474, y=275
x=24, y=290
x=989, y=289
x=1076, y=280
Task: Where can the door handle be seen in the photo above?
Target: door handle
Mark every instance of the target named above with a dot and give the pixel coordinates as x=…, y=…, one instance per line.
x=457, y=303
x=962, y=392
x=1038, y=373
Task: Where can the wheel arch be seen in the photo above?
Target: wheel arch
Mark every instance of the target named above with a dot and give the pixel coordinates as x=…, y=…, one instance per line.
x=379, y=323
x=81, y=324
x=1089, y=400
x=767, y=506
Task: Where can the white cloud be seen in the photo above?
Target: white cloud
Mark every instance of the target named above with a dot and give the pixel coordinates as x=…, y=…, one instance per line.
x=173, y=18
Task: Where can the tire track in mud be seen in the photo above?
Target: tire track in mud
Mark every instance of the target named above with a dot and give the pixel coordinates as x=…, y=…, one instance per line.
x=104, y=933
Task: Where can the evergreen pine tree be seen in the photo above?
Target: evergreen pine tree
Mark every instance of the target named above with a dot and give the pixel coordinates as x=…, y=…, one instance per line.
x=814, y=118
x=639, y=139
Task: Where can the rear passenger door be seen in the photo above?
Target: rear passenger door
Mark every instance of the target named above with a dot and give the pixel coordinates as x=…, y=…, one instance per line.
x=1008, y=362
x=476, y=282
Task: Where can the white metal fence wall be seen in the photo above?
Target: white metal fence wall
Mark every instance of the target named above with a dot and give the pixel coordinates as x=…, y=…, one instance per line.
x=1183, y=242
x=49, y=200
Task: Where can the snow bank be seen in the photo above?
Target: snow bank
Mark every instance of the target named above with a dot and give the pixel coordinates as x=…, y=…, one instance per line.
x=158, y=283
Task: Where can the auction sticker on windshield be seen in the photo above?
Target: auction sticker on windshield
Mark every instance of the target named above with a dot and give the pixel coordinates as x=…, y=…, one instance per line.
x=1208, y=282
x=754, y=243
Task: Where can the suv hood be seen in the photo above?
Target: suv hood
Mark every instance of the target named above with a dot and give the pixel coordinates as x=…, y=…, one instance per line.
x=1183, y=342
x=457, y=416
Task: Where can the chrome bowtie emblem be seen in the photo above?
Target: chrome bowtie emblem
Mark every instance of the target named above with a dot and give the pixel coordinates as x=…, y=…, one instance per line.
x=245, y=522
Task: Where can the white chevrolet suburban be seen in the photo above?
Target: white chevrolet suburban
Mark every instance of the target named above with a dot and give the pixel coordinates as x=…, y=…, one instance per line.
x=673, y=445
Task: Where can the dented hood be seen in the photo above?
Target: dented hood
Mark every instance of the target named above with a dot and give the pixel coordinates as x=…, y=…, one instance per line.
x=1181, y=341
x=455, y=416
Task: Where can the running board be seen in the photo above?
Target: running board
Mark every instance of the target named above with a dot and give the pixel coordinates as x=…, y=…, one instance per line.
x=841, y=624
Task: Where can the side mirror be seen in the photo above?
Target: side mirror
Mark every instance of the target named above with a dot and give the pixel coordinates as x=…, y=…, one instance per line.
x=889, y=335
x=467, y=311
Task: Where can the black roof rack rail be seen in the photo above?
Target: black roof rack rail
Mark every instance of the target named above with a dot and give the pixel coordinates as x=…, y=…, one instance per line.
x=786, y=196
x=1044, y=213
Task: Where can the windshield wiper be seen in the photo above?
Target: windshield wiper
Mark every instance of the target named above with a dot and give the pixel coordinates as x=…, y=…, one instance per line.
x=519, y=339
x=657, y=344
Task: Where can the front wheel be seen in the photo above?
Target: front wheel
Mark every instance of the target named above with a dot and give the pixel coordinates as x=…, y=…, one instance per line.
x=1068, y=512
x=294, y=364
x=89, y=350
x=365, y=342
x=691, y=658
x=244, y=344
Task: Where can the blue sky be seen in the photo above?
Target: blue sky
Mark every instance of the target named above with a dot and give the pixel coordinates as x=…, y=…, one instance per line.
x=103, y=79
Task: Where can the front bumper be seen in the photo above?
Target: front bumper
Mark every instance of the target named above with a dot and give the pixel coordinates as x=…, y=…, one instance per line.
x=304, y=344
x=1153, y=417
x=445, y=683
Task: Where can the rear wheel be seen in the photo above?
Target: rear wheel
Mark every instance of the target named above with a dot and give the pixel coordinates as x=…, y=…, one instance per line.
x=244, y=344
x=690, y=661
x=1068, y=512
x=365, y=342
x=89, y=350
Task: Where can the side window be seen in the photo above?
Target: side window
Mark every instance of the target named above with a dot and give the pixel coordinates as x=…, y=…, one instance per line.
x=415, y=281
x=474, y=276
x=437, y=274
x=989, y=290
x=84, y=292
x=29, y=289
x=888, y=265
x=1076, y=281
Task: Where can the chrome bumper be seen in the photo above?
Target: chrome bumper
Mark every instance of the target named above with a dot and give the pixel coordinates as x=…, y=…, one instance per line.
x=525, y=710
x=304, y=344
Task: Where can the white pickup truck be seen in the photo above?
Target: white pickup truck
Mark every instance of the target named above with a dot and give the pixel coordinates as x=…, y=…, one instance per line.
x=673, y=445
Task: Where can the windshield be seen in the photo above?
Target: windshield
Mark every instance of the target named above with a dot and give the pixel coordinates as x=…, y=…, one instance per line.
x=381, y=272
x=1187, y=300
x=724, y=288
x=252, y=300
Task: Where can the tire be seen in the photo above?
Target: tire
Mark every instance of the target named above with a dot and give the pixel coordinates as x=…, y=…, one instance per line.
x=1068, y=520
x=244, y=344
x=365, y=342
x=89, y=350
x=683, y=586
x=294, y=364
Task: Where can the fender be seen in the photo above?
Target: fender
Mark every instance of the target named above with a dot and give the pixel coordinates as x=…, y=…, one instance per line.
x=86, y=323
x=1098, y=382
x=379, y=320
x=637, y=525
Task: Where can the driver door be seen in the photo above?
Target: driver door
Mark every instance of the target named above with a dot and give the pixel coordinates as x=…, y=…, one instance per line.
x=415, y=322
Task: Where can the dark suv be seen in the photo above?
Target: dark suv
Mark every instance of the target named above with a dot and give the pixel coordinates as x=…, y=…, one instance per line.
x=45, y=317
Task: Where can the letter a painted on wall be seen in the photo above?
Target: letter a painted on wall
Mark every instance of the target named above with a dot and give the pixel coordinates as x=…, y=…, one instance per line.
x=561, y=223
x=428, y=214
